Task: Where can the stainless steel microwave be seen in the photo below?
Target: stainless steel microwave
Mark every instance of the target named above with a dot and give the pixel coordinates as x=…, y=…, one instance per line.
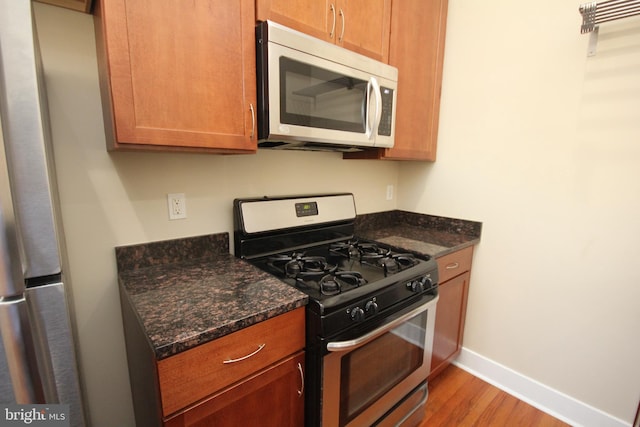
x=313, y=95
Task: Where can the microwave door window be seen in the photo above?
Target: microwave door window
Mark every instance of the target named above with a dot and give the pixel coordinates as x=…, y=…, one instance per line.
x=314, y=97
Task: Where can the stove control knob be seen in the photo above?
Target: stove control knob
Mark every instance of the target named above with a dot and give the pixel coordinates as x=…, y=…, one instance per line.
x=357, y=314
x=371, y=308
x=417, y=286
x=427, y=282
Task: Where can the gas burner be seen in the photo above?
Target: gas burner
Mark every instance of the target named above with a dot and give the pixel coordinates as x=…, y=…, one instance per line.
x=332, y=284
x=353, y=249
x=329, y=285
x=298, y=265
x=406, y=260
x=348, y=249
x=354, y=278
x=396, y=262
x=307, y=264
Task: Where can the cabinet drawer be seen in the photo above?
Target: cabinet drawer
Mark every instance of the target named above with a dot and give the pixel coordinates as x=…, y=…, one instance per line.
x=454, y=264
x=273, y=397
x=196, y=373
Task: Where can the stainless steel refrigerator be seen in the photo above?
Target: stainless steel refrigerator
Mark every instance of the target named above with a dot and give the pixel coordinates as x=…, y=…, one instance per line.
x=37, y=353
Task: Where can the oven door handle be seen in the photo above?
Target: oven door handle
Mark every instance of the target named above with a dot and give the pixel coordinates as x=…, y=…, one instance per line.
x=349, y=345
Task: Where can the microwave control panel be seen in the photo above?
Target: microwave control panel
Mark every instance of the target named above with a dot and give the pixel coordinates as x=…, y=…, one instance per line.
x=384, y=128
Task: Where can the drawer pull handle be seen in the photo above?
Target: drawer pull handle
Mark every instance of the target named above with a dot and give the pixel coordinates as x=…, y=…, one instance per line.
x=343, y=23
x=333, y=26
x=452, y=266
x=253, y=121
x=240, y=359
x=301, y=380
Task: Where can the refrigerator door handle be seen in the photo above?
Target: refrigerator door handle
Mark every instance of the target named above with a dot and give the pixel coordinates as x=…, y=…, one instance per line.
x=20, y=351
x=23, y=333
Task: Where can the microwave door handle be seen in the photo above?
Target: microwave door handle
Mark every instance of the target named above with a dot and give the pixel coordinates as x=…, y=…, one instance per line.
x=373, y=84
x=368, y=130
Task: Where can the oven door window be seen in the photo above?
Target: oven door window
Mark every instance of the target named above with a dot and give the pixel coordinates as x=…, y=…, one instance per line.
x=370, y=371
x=314, y=97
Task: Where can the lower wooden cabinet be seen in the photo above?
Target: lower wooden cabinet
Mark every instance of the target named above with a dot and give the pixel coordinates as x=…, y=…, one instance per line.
x=454, y=270
x=252, y=377
x=202, y=371
x=274, y=397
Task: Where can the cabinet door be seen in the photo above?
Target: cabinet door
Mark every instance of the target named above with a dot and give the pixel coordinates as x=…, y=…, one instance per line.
x=274, y=397
x=358, y=25
x=178, y=74
x=363, y=26
x=450, y=315
x=416, y=48
x=194, y=374
x=316, y=17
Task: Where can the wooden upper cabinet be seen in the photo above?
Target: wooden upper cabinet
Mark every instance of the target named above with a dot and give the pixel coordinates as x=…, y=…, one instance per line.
x=358, y=25
x=79, y=5
x=309, y=17
x=363, y=26
x=418, y=30
x=178, y=75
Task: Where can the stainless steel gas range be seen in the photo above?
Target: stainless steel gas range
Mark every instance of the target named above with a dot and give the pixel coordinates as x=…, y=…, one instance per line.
x=371, y=312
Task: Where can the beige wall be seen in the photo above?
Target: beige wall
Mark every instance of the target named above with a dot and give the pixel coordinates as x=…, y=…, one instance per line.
x=537, y=141
x=117, y=199
x=542, y=145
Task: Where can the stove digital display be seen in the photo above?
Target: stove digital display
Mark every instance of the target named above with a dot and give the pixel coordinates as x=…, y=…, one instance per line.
x=306, y=209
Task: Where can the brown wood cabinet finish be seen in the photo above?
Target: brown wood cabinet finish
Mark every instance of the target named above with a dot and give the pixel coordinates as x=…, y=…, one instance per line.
x=197, y=373
x=178, y=75
x=454, y=264
x=309, y=17
x=274, y=397
x=418, y=30
x=362, y=26
x=79, y=5
x=454, y=270
x=366, y=25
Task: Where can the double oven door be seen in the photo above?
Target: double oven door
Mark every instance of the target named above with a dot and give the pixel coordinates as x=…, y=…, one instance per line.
x=365, y=378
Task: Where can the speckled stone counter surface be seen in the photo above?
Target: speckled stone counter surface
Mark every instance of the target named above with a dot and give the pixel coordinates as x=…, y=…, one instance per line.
x=186, y=292
x=424, y=234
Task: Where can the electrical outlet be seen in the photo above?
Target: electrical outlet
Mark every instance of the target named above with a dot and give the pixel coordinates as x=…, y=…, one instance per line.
x=389, y=192
x=177, y=206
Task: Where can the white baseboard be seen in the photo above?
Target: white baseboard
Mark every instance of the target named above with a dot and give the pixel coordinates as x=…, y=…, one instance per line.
x=551, y=401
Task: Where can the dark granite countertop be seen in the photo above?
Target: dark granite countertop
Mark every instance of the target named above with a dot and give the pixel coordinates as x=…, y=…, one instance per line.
x=187, y=292
x=424, y=234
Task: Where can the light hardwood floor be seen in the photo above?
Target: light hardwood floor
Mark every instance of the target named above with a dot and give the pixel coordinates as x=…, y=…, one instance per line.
x=457, y=398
